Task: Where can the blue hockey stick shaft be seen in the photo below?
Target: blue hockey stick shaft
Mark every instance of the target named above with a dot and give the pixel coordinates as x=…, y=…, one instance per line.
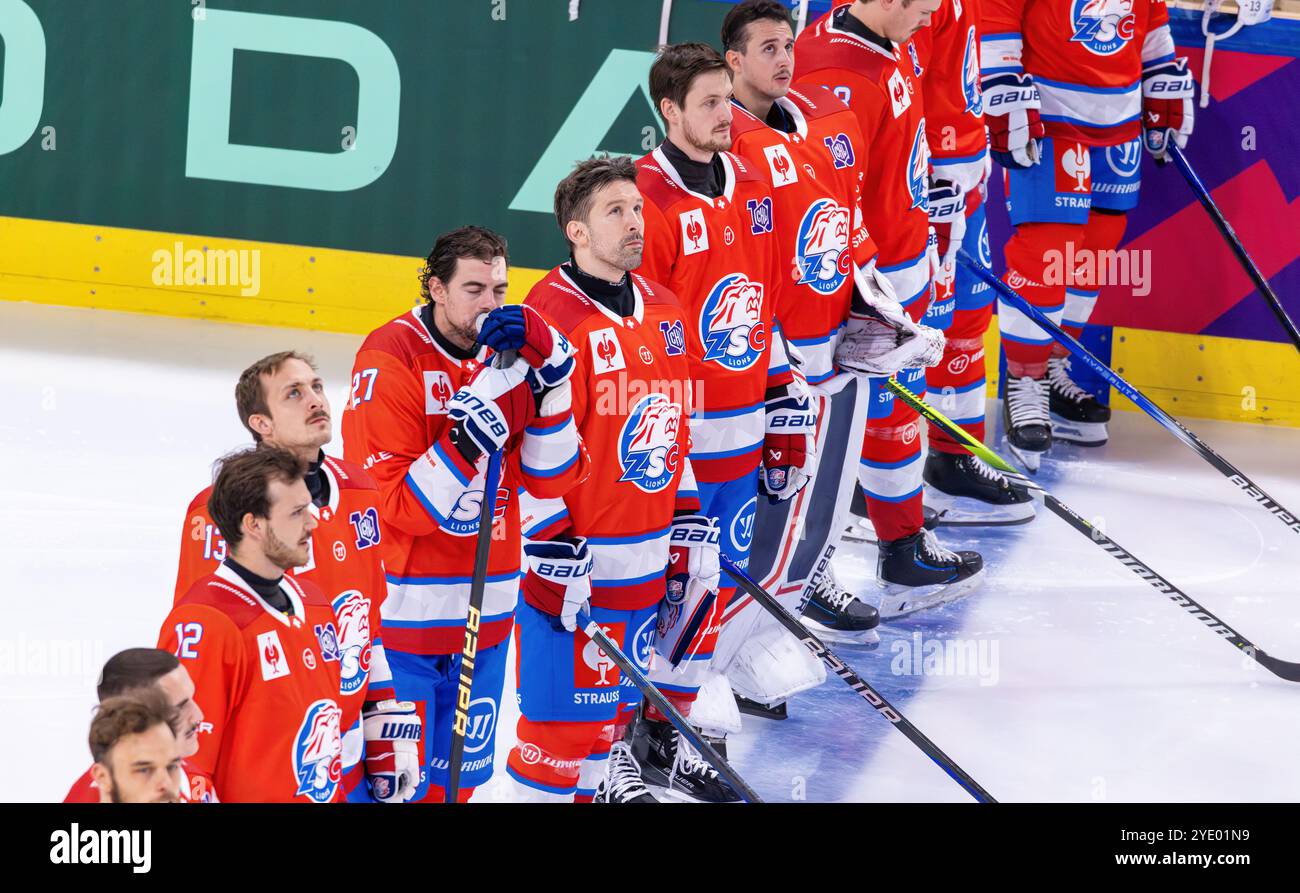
x=1172, y=425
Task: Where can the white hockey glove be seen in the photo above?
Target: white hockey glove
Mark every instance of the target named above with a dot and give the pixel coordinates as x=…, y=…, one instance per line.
x=558, y=581
x=789, y=440
x=948, y=217
x=392, y=730
x=1168, y=111
x=494, y=405
x=880, y=338
x=692, y=586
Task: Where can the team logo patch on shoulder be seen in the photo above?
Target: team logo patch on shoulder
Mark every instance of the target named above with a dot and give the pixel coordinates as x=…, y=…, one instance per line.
x=916, y=62
x=607, y=351
x=366, y=526
x=674, y=337
x=970, y=76
x=841, y=149
x=783, y=170
x=352, y=611
x=731, y=322
x=647, y=446
x=821, y=247
x=695, y=233
x=900, y=99
x=272, y=657
x=918, y=168
x=760, y=215
x=317, y=752
x=437, y=391
x=1104, y=27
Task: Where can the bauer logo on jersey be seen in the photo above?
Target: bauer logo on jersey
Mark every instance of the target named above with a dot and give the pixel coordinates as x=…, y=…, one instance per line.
x=899, y=96
x=695, y=234
x=437, y=391
x=918, y=169
x=352, y=611
x=607, y=352
x=1104, y=27
x=970, y=75
x=317, y=761
x=674, y=337
x=760, y=215
x=271, y=655
x=783, y=168
x=731, y=323
x=822, y=246
x=464, y=514
x=647, y=447
x=1074, y=172
x=841, y=149
x=366, y=526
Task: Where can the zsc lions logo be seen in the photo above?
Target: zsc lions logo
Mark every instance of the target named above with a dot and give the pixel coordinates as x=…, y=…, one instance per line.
x=464, y=514
x=647, y=447
x=970, y=76
x=822, y=246
x=352, y=610
x=731, y=322
x=918, y=168
x=317, y=752
x=1104, y=27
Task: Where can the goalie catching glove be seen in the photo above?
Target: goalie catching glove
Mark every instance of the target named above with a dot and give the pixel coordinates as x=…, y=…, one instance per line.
x=392, y=731
x=880, y=338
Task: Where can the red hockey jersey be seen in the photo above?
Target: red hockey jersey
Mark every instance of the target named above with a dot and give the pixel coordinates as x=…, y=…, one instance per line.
x=196, y=787
x=884, y=90
x=1086, y=56
x=632, y=398
x=269, y=687
x=344, y=563
x=816, y=190
x=720, y=257
x=396, y=426
x=949, y=51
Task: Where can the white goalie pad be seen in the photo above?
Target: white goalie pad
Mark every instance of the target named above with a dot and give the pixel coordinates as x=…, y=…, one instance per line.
x=715, y=712
x=772, y=665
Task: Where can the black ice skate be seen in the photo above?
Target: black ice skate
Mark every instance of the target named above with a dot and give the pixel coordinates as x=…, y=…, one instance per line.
x=861, y=530
x=669, y=761
x=973, y=494
x=1025, y=418
x=622, y=782
x=836, y=614
x=1076, y=415
x=915, y=573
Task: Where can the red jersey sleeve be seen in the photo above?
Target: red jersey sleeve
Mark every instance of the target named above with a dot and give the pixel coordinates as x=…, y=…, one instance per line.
x=210, y=647
x=203, y=548
x=1002, y=17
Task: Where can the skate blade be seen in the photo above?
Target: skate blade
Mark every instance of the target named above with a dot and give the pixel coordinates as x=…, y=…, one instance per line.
x=1029, y=459
x=1087, y=434
x=899, y=601
x=867, y=638
x=967, y=511
x=675, y=795
x=860, y=531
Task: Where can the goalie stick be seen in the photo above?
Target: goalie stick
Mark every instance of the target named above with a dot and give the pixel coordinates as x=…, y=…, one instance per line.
x=1172, y=425
x=664, y=706
x=856, y=682
x=1280, y=668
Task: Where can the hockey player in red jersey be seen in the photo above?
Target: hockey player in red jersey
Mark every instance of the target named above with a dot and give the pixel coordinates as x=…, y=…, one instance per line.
x=1072, y=91
x=133, y=745
x=710, y=237
x=865, y=52
x=256, y=642
x=137, y=668
x=961, y=488
x=626, y=536
x=427, y=410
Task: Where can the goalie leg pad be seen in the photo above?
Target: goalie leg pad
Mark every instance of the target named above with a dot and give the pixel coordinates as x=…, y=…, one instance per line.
x=773, y=666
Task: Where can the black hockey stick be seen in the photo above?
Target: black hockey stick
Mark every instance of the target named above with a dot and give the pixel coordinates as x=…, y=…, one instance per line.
x=1172, y=425
x=1234, y=242
x=1281, y=668
x=856, y=682
x=664, y=706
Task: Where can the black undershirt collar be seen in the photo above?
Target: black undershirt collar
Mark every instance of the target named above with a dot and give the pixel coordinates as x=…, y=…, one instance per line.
x=460, y=353
x=318, y=483
x=777, y=117
x=851, y=24
x=617, y=297
x=269, y=590
x=706, y=179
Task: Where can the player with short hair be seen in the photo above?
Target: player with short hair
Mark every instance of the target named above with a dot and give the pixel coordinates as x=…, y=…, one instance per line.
x=137, y=668
x=133, y=744
x=257, y=641
x=428, y=408
x=281, y=400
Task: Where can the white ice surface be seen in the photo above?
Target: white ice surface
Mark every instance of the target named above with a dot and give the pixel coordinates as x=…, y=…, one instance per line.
x=1092, y=687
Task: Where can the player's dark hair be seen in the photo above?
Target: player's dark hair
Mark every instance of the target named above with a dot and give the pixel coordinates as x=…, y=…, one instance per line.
x=676, y=69
x=473, y=242
x=242, y=487
x=577, y=192
x=250, y=390
x=129, y=714
x=735, y=27
x=134, y=668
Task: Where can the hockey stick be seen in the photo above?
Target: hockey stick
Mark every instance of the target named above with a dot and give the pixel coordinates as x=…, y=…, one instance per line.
x=1234, y=242
x=1281, y=668
x=1172, y=425
x=664, y=706
x=477, y=587
x=856, y=682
